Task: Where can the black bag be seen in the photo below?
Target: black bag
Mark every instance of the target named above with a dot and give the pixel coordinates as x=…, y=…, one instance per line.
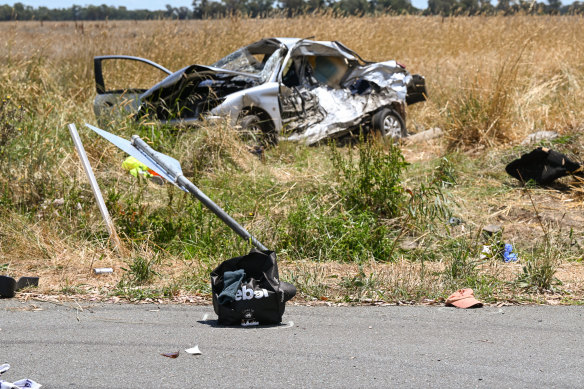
x=543, y=166
x=259, y=298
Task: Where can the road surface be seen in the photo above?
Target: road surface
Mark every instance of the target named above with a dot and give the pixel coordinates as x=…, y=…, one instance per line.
x=120, y=346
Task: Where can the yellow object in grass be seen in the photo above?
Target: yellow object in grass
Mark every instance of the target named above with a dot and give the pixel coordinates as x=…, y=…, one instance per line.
x=136, y=167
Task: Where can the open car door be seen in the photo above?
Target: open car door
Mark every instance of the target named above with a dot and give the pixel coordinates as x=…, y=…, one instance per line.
x=121, y=94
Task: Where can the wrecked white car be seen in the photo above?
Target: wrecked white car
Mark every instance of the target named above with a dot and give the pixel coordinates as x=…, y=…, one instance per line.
x=276, y=88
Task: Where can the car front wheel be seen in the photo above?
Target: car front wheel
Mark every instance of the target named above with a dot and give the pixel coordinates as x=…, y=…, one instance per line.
x=389, y=123
x=255, y=131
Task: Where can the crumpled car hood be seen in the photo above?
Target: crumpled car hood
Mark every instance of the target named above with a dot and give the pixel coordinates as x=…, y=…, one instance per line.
x=193, y=90
x=179, y=75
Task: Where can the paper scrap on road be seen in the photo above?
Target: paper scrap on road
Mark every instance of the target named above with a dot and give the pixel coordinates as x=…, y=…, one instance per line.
x=20, y=384
x=194, y=350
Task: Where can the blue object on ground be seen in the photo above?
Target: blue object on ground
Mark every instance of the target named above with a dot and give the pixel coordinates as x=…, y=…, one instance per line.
x=508, y=253
x=231, y=282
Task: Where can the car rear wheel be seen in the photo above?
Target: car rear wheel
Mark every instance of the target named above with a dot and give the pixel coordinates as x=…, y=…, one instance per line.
x=255, y=131
x=389, y=123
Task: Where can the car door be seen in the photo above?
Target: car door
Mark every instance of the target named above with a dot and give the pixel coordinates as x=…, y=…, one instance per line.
x=128, y=78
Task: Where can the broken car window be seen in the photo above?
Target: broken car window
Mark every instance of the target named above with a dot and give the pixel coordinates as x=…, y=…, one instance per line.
x=328, y=70
x=270, y=65
x=243, y=60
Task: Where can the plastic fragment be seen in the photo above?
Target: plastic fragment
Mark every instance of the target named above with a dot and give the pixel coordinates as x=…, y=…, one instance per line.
x=486, y=252
x=20, y=384
x=194, y=350
x=103, y=270
x=508, y=254
x=171, y=355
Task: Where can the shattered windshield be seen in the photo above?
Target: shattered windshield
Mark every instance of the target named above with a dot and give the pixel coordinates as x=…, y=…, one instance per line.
x=245, y=61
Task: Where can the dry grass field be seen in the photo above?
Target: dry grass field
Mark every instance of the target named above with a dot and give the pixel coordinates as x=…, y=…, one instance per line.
x=491, y=82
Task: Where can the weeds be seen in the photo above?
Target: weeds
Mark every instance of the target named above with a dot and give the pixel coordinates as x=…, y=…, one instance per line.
x=445, y=174
x=427, y=207
x=140, y=271
x=375, y=184
x=463, y=263
x=360, y=284
x=539, y=270
x=349, y=236
x=309, y=281
x=538, y=274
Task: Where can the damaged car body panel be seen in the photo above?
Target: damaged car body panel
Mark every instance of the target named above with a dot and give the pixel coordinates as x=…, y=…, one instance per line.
x=289, y=88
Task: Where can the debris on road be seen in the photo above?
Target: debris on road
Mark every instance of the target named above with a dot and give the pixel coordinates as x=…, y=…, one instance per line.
x=171, y=355
x=494, y=248
x=504, y=252
x=231, y=283
x=194, y=350
x=463, y=298
x=20, y=384
x=115, y=239
x=7, y=286
x=486, y=252
x=492, y=231
x=260, y=296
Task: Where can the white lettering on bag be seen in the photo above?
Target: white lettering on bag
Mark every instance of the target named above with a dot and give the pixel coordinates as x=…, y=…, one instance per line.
x=245, y=293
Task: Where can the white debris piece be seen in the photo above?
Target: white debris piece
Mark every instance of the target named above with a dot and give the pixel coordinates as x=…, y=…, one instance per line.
x=20, y=384
x=194, y=350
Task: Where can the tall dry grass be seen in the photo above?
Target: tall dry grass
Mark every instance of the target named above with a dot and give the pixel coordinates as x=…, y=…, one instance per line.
x=490, y=79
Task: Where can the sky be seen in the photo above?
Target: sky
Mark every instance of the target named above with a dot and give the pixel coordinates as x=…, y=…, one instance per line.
x=147, y=4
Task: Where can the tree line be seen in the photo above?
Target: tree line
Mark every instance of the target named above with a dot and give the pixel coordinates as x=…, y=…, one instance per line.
x=206, y=9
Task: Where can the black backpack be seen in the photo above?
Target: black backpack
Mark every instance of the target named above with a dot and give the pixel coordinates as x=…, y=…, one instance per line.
x=253, y=293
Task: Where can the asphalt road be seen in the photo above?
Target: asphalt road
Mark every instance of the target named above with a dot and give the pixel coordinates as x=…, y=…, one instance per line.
x=120, y=346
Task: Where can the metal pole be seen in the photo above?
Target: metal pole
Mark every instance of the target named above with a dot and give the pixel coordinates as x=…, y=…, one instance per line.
x=94, y=186
x=183, y=182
